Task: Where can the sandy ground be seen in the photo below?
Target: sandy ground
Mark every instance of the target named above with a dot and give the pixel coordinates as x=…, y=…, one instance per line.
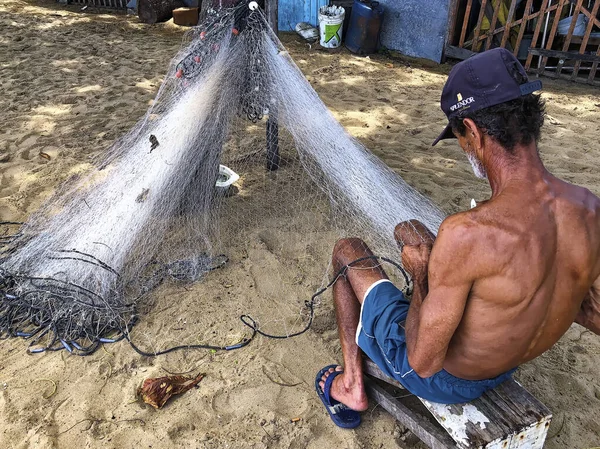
x=72, y=82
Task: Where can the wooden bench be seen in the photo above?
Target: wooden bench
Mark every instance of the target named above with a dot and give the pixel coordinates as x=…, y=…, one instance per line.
x=503, y=418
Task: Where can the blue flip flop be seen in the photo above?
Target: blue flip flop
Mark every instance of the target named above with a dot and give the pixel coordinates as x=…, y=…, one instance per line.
x=341, y=415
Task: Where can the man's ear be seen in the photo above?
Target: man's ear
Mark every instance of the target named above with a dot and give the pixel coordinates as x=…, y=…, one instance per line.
x=474, y=135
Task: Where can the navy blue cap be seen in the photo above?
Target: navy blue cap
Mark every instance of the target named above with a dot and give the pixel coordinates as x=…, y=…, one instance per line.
x=486, y=79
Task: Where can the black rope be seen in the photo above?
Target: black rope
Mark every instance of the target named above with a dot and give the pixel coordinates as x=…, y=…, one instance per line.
x=20, y=317
x=35, y=314
x=241, y=344
x=17, y=315
x=95, y=259
x=251, y=322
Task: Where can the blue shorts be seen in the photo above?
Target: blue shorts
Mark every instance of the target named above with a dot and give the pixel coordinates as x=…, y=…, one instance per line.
x=380, y=335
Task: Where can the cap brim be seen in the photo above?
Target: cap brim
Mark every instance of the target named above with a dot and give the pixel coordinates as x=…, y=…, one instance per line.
x=446, y=134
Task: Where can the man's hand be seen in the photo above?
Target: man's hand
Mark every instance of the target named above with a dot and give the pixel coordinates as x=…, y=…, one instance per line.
x=415, y=260
x=416, y=242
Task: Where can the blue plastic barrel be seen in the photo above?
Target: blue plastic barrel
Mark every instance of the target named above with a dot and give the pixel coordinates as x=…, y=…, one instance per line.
x=364, y=27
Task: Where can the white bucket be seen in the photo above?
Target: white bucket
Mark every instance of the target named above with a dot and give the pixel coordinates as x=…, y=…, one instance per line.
x=331, y=23
x=226, y=177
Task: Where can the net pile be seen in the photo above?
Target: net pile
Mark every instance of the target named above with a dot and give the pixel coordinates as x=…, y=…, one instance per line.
x=74, y=275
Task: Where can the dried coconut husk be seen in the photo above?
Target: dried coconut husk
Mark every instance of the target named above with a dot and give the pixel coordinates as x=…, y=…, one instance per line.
x=157, y=391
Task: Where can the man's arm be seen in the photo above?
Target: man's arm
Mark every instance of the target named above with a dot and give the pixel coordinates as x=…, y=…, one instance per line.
x=441, y=289
x=589, y=314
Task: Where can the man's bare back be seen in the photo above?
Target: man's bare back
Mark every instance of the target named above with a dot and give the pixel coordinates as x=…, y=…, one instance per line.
x=500, y=284
x=535, y=255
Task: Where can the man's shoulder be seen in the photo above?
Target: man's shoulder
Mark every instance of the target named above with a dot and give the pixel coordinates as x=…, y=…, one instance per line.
x=462, y=233
x=468, y=226
x=461, y=248
x=579, y=203
x=471, y=236
x=577, y=195
x=578, y=218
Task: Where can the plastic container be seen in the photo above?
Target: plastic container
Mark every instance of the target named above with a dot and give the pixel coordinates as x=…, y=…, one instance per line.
x=365, y=26
x=580, y=25
x=308, y=32
x=226, y=178
x=331, y=23
x=524, y=47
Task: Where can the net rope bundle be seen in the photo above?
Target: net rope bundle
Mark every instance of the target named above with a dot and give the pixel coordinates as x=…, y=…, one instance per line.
x=74, y=275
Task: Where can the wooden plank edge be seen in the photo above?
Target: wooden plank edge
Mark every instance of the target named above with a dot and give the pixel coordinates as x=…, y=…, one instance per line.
x=373, y=370
x=458, y=53
x=566, y=77
x=564, y=55
x=434, y=437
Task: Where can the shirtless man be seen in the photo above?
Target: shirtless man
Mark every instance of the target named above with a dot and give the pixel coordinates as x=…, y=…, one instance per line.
x=499, y=285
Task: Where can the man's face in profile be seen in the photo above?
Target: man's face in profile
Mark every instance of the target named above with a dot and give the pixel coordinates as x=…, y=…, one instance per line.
x=469, y=150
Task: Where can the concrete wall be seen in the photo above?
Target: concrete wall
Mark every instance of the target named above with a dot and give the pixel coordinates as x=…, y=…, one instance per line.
x=293, y=11
x=415, y=28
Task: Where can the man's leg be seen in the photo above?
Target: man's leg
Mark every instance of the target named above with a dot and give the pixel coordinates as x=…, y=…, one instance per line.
x=348, y=294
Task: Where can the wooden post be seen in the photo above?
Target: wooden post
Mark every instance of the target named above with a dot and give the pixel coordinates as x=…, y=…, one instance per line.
x=273, y=157
x=492, y=31
x=452, y=13
x=585, y=40
x=524, y=23
x=536, y=32
x=153, y=11
x=475, y=46
x=567, y=42
x=507, y=25
x=552, y=34
x=592, y=75
x=272, y=13
x=463, y=32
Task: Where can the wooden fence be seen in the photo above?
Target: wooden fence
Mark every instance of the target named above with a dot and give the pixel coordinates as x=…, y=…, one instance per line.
x=556, y=38
x=114, y=4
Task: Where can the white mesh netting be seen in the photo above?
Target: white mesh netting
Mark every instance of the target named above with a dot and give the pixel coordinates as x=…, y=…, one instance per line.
x=78, y=273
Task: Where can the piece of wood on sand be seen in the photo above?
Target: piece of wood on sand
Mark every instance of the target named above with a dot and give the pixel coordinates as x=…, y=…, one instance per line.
x=506, y=417
x=187, y=17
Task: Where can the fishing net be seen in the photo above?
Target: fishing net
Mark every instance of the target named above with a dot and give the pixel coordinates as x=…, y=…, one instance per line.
x=160, y=205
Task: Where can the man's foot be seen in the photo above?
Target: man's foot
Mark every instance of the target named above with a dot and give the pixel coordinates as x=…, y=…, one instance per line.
x=350, y=392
